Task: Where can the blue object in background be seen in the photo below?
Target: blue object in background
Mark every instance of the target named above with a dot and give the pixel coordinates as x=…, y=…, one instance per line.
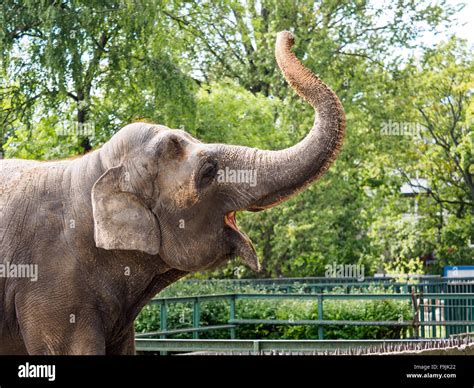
x=459, y=271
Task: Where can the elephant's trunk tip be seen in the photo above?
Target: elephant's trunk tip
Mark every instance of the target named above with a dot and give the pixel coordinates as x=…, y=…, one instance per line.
x=286, y=35
x=311, y=88
x=284, y=41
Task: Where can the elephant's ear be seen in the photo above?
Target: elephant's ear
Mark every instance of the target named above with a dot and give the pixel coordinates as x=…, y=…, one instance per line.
x=121, y=219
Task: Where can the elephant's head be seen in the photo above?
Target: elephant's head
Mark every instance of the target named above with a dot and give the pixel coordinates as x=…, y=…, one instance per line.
x=166, y=193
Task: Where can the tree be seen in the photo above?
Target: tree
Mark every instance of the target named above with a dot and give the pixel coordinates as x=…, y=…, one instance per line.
x=431, y=151
x=444, y=103
x=71, y=58
x=235, y=39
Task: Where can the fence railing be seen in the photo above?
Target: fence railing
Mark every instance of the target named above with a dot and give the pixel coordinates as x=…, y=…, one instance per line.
x=421, y=283
x=434, y=314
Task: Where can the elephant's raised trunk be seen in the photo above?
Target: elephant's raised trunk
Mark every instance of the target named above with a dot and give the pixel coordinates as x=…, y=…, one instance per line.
x=291, y=170
x=281, y=174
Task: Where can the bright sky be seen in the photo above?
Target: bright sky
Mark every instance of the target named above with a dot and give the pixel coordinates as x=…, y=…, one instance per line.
x=464, y=28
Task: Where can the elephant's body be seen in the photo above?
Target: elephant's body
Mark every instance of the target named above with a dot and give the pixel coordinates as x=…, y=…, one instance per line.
x=85, y=298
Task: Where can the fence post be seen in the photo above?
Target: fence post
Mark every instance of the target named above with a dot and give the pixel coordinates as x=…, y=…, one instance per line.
x=256, y=347
x=196, y=317
x=163, y=318
x=422, y=316
x=416, y=318
x=163, y=321
x=232, y=316
x=320, y=316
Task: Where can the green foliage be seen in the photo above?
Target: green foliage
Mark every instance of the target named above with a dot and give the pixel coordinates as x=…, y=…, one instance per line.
x=385, y=310
x=436, y=161
x=228, y=113
x=404, y=267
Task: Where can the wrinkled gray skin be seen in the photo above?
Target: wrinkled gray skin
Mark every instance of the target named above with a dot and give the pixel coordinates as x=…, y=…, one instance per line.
x=112, y=228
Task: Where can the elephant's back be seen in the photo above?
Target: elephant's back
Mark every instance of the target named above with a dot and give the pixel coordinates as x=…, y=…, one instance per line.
x=15, y=178
x=12, y=172
x=15, y=173
x=24, y=186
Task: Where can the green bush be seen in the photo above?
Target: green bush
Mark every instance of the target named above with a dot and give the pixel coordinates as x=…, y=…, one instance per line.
x=217, y=313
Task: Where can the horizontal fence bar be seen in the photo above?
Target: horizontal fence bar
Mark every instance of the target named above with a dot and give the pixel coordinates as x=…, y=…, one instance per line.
x=349, y=283
x=344, y=322
x=322, y=279
x=184, y=330
x=211, y=345
x=317, y=322
x=344, y=285
x=433, y=279
x=233, y=323
x=190, y=299
x=354, y=296
x=203, y=298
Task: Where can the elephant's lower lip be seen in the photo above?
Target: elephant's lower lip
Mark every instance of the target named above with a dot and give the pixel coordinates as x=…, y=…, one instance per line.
x=243, y=247
x=231, y=222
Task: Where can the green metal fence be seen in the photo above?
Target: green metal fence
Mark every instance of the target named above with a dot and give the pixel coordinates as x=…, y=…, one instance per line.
x=441, y=303
x=442, y=308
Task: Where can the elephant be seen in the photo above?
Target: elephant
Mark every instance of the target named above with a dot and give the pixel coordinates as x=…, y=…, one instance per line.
x=106, y=231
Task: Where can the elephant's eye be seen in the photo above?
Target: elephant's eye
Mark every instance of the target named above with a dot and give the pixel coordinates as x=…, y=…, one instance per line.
x=207, y=173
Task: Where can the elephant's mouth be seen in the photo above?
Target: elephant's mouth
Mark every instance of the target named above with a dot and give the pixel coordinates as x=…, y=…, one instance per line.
x=230, y=221
x=242, y=244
